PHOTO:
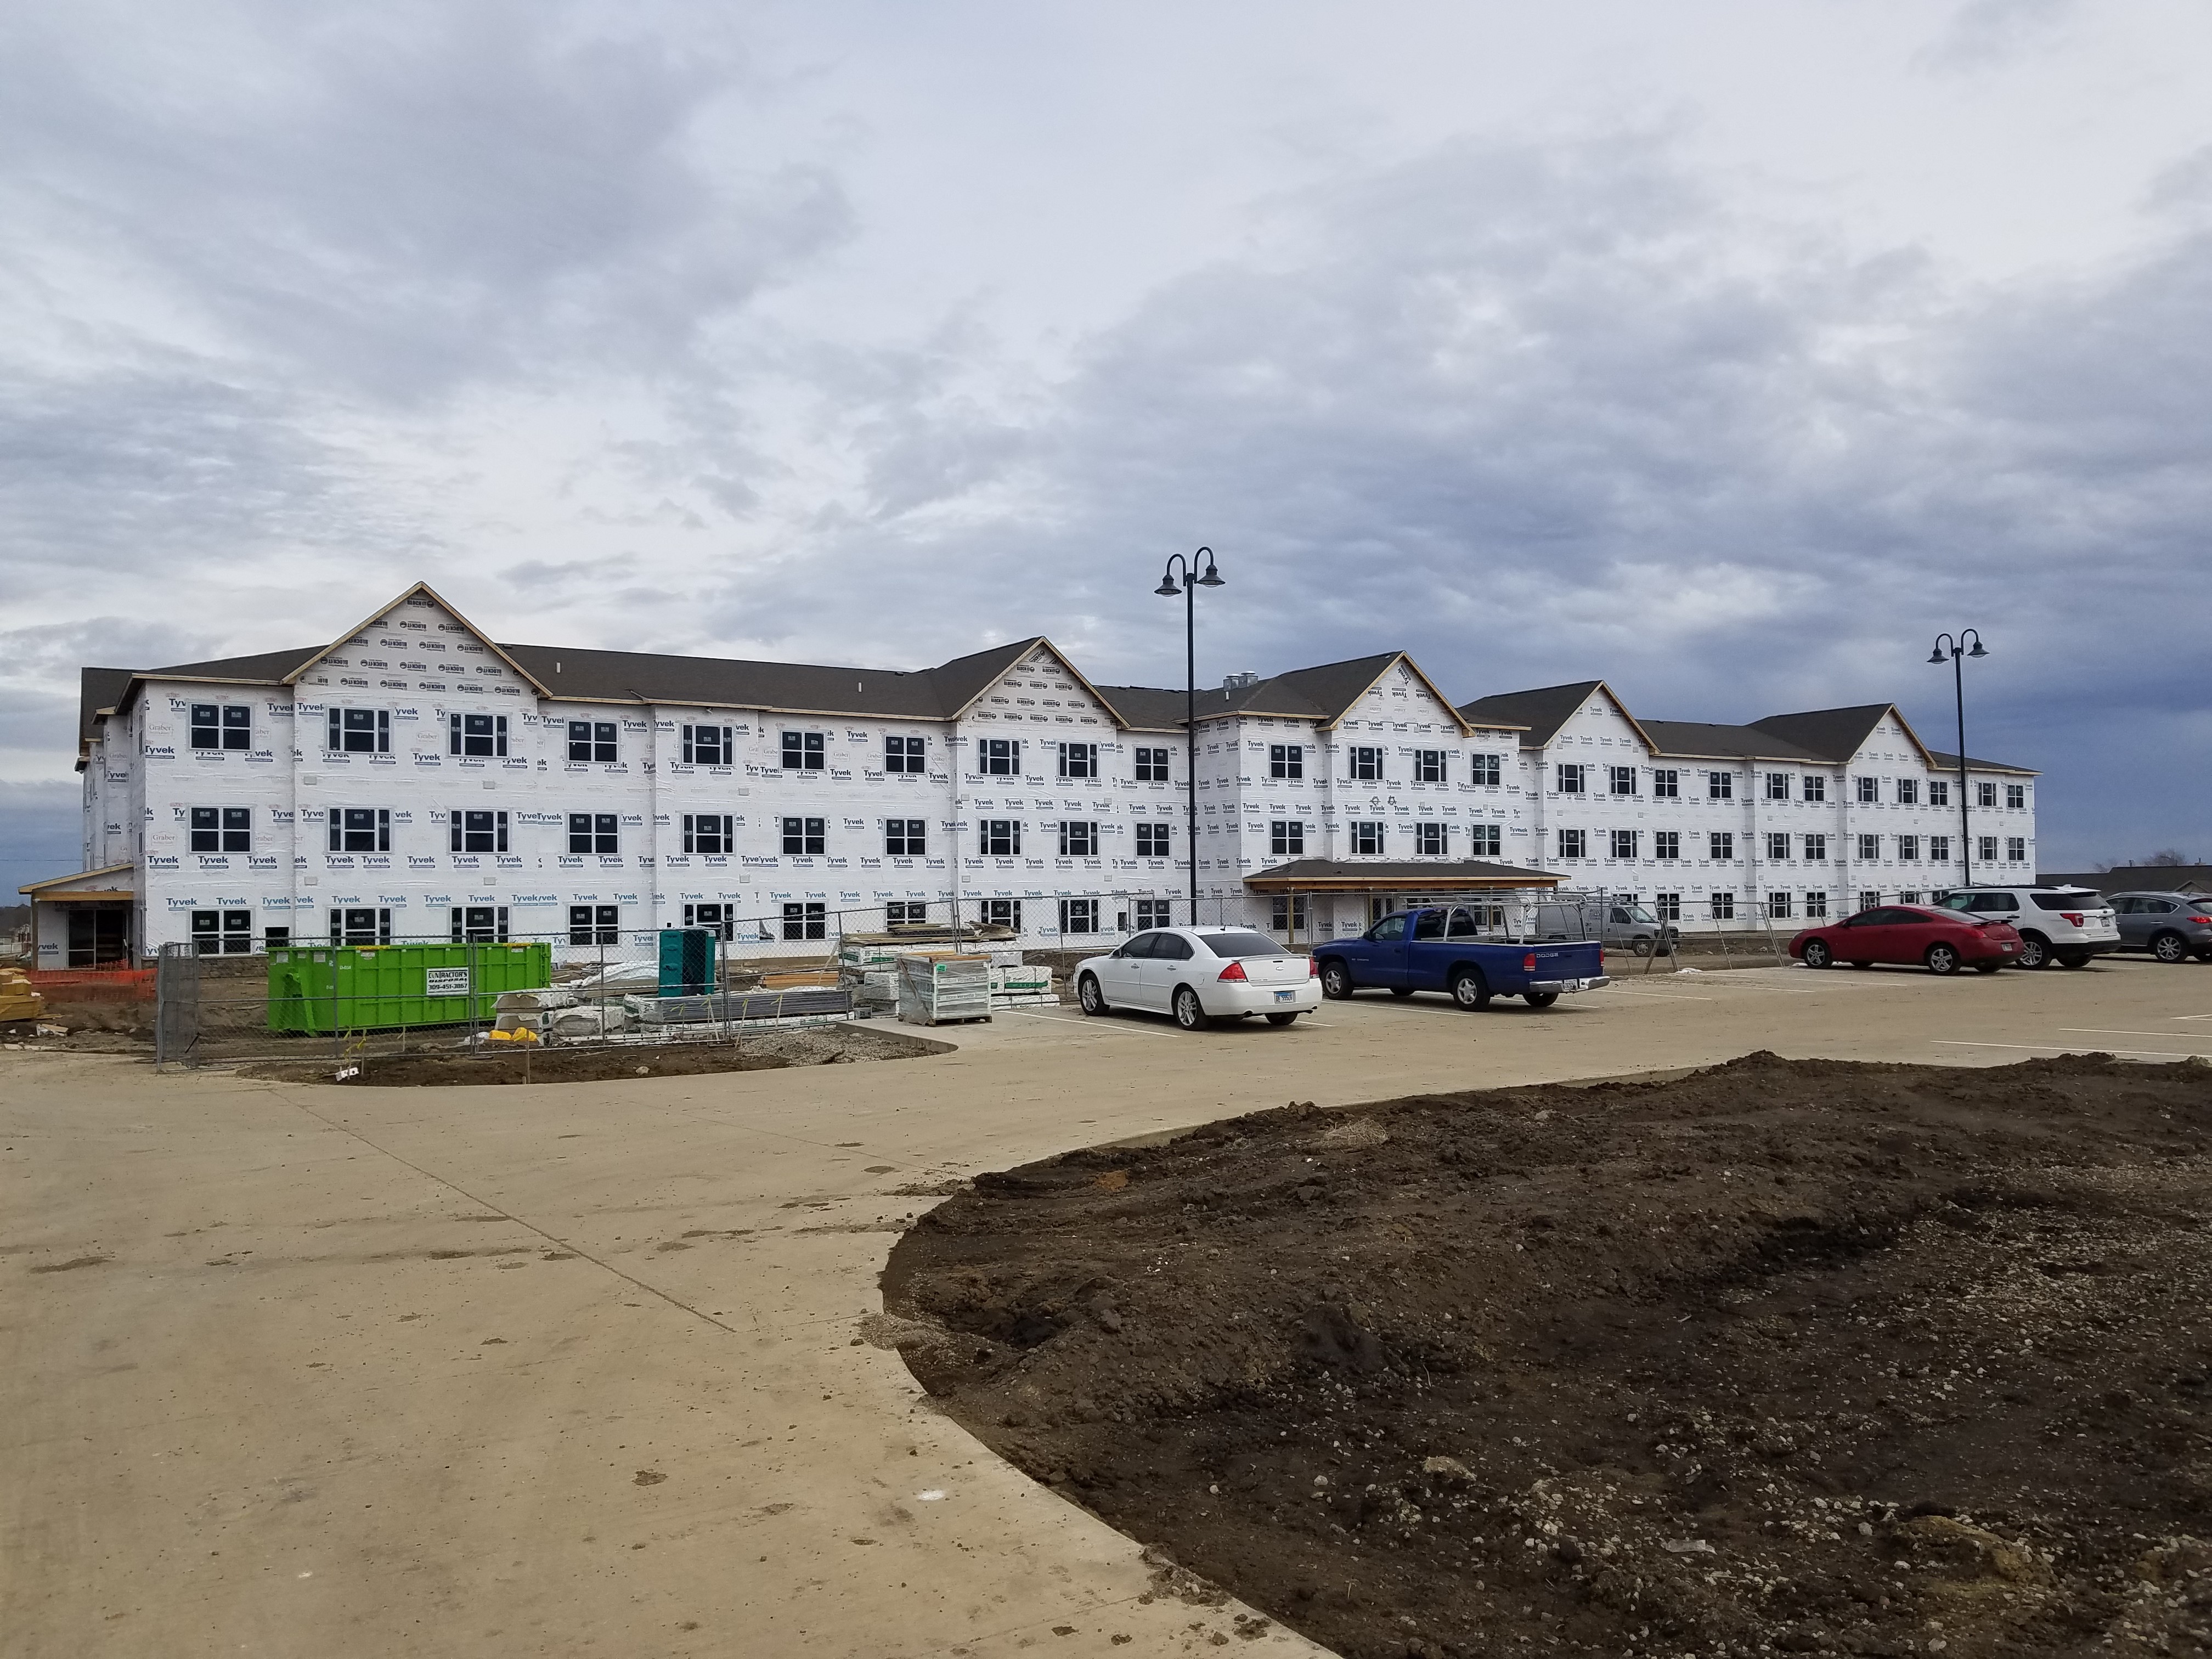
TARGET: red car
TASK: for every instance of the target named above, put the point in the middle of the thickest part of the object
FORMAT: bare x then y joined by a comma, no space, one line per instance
1940,940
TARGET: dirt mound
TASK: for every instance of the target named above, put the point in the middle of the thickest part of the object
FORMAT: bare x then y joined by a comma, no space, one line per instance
1796,1357
765,1051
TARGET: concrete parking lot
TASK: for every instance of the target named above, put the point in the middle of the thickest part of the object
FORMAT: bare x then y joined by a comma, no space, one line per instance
587,1368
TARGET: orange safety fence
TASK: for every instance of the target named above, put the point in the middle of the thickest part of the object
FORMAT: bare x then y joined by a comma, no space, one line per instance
92,984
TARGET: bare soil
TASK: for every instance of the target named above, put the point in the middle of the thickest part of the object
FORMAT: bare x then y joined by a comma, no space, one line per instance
1783,1356
763,1051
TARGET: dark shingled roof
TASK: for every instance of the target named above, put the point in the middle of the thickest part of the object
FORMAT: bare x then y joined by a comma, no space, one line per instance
1829,735
1952,760
642,676
1384,875
97,689
1542,711
270,667
1325,693
1696,738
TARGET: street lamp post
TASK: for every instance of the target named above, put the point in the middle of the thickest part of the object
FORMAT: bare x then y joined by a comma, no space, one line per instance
1951,649
1188,585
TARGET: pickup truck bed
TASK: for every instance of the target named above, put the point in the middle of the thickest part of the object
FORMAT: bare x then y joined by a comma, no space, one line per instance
1440,948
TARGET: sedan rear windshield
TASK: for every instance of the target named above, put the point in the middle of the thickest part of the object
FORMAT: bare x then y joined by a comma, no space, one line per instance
1244,945
2069,901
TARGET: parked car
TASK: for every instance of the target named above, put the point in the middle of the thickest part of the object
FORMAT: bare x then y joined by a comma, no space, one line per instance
1942,941
2172,926
1201,974
2067,925
1441,949
1619,923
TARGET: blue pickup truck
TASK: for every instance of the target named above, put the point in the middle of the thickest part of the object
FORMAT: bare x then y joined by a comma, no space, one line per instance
1441,949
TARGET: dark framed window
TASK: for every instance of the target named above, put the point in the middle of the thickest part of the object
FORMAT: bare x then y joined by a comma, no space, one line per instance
903,754
1869,790
221,828
907,912
1079,838
1624,843
478,832
1151,766
1908,849
1290,912
710,832
805,837
1570,779
1668,907
1816,849
1484,841
1430,765
1665,844
1287,835
594,924
1939,849
1665,783
1816,906
1778,785
2016,849
1908,792
719,919
222,933
1573,843
1813,787
905,838
1286,760
222,725
999,758
1721,844
1985,794
1366,763
1153,841
594,741
1079,915
1152,913
1939,792
1366,839
594,832
1778,904
1869,848
360,830
709,746
275,938
361,927
1720,786
806,919
1000,837
1001,912
1078,760
476,734
1777,847
1724,906
2016,798
358,731
1986,849
479,924
805,751
1429,839
1485,770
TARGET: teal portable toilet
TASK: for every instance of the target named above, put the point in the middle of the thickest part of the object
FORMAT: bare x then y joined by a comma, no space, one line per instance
687,962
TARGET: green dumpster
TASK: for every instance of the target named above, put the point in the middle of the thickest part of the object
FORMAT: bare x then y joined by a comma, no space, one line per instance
360,987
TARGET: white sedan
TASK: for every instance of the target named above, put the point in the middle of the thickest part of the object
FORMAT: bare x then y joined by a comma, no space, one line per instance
1201,974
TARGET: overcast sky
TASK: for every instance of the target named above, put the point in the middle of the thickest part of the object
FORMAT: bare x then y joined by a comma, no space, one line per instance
1728,351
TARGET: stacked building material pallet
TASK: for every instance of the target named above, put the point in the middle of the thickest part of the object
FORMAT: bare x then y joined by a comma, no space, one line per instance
814,1002
935,989
1021,986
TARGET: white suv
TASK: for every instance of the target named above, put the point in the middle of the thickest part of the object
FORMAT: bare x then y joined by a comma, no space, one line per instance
2067,925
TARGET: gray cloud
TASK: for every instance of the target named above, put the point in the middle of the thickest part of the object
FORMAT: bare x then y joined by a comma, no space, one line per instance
1983,33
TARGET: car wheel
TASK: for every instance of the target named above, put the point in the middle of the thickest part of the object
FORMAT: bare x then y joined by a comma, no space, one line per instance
1942,959
1539,999
1282,1019
2034,951
1818,955
2073,961
1335,980
1642,947
1469,989
1987,967
1401,990
1188,1012
1087,994
2170,947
